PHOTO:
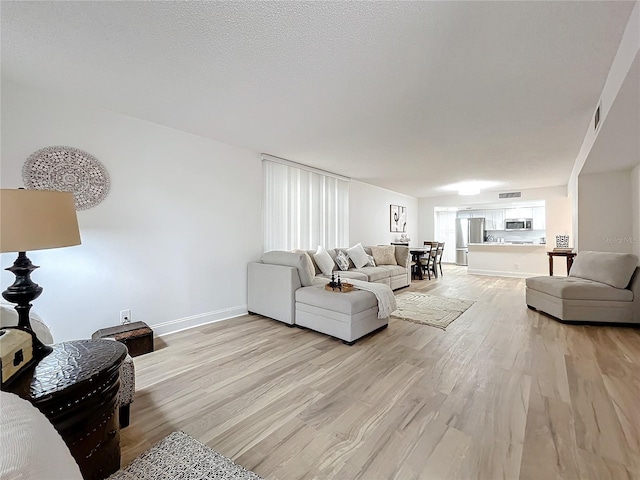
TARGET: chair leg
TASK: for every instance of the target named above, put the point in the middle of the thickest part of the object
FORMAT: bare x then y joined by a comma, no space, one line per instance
124,413
440,265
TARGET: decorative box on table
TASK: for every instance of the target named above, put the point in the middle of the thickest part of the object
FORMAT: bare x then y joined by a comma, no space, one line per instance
137,336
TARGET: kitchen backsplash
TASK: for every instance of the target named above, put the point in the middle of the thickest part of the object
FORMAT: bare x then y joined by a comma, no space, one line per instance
534,236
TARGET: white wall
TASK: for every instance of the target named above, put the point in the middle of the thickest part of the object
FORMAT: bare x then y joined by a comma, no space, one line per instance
605,212
172,239
635,209
369,214
558,210
625,56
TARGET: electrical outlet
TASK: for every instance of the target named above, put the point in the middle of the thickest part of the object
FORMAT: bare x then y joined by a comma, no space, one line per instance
125,316
516,266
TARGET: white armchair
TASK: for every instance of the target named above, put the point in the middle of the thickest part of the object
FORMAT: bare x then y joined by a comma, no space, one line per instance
126,394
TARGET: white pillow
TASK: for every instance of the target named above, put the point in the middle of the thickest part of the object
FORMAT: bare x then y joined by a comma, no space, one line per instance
358,255
31,448
324,261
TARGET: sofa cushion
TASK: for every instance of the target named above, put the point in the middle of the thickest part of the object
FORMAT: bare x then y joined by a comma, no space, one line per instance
614,269
352,274
384,255
324,261
300,260
374,273
358,256
572,288
348,303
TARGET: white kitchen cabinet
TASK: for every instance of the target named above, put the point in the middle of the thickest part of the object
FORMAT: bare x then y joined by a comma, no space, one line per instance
478,214
521,212
464,214
497,219
539,218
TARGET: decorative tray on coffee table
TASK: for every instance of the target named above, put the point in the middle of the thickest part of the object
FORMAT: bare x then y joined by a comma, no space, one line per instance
345,287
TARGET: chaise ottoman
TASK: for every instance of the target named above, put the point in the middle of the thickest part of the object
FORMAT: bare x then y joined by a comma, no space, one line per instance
347,316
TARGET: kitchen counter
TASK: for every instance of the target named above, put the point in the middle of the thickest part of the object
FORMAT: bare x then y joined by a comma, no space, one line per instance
508,259
506,244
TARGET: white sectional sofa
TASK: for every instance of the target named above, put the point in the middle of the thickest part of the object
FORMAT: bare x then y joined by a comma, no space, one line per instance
602,287
282,286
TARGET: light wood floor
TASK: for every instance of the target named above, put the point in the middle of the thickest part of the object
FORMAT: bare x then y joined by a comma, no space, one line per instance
504,393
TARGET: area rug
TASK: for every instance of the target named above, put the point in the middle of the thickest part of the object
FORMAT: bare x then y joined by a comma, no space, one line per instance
429,310
180,456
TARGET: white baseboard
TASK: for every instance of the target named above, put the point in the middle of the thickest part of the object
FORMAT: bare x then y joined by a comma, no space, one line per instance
494,273
173,326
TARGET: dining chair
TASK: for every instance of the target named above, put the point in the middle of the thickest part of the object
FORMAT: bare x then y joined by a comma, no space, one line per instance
439,253
428,259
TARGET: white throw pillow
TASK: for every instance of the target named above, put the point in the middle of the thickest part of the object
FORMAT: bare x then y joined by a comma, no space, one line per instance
358,255
324,261
371,262
342,260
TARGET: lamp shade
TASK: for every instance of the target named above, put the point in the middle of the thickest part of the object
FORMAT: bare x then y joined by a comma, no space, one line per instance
36,220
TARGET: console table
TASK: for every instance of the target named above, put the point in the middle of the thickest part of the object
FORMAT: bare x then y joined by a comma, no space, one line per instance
75,387
570,256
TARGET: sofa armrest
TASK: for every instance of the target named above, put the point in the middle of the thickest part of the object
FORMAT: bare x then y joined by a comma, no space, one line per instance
634,286
271,291
403,257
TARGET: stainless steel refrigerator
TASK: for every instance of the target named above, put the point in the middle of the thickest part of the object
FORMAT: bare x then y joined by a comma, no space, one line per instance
468,230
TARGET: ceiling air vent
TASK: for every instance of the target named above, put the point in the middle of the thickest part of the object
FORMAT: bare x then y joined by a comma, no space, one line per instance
510,195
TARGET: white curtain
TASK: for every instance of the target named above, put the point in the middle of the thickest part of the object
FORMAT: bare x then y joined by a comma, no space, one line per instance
303,208
446,232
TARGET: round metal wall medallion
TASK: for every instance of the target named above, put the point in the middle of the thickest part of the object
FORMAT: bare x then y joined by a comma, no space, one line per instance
67,169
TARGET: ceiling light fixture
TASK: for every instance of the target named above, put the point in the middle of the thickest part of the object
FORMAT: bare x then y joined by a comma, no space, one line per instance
469,191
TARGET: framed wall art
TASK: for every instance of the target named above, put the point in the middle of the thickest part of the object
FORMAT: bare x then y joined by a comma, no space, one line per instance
398,218
67,169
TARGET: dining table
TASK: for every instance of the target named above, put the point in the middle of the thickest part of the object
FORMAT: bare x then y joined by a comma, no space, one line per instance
416,254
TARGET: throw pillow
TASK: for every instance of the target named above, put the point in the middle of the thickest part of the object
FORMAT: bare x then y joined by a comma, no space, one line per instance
324,261
384,255
371,262
358,255
307,264
298,260
342,260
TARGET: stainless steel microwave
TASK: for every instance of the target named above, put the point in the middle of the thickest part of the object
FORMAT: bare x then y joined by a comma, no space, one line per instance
518,224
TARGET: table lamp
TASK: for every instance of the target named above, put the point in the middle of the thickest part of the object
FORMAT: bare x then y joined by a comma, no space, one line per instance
33,220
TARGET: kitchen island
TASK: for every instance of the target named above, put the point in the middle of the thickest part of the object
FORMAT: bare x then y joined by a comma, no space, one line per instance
508,259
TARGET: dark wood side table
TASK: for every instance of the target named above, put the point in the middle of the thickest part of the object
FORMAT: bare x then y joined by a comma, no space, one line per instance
75,387
570,256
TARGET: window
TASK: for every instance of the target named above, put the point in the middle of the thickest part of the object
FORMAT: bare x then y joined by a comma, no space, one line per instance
303,207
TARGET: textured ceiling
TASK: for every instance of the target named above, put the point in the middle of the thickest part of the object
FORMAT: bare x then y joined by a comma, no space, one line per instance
410,96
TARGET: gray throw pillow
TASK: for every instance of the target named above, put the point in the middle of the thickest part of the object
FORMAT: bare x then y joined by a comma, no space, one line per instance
300,260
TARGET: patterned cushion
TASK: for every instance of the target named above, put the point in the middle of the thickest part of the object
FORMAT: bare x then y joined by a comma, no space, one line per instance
384,255
342,260
371,262
127,382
